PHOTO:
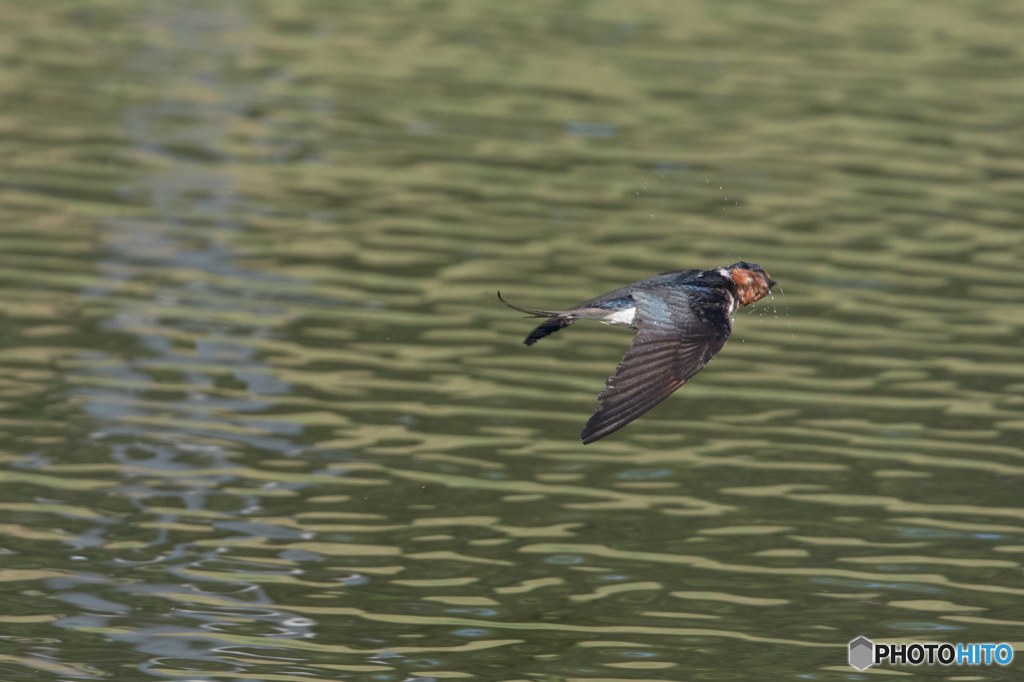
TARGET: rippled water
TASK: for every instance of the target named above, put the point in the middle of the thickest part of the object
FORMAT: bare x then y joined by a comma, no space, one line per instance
262,421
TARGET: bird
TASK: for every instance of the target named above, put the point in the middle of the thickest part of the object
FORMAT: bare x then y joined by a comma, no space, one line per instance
682,320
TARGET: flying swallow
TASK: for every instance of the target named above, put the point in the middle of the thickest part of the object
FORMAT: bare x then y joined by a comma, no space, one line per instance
682,319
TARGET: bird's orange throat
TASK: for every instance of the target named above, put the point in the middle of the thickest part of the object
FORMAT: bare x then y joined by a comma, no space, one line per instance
751,285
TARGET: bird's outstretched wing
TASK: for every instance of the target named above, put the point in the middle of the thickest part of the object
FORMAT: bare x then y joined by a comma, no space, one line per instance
671,345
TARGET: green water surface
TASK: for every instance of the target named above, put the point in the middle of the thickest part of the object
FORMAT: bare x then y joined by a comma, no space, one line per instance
261,419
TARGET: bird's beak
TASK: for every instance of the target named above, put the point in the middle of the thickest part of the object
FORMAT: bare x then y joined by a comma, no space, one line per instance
771,282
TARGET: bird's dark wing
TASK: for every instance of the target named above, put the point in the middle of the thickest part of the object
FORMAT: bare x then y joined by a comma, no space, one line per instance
671,345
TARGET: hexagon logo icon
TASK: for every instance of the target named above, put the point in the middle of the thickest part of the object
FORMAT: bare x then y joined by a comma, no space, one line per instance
862,653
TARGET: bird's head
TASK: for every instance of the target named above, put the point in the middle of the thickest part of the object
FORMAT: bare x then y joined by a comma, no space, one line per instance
751,281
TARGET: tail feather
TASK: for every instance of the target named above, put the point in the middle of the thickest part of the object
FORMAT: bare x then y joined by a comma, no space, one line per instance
557,321
549,327
530,311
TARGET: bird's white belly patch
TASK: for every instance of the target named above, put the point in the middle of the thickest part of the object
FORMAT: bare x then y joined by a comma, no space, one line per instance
621,316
